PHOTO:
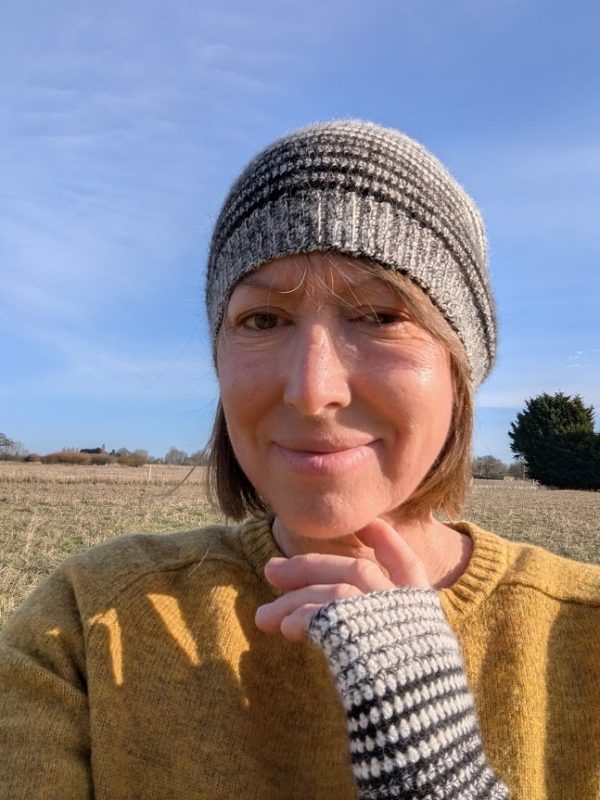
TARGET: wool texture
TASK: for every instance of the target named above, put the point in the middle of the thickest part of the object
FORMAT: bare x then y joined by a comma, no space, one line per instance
411,716
366,191
135,671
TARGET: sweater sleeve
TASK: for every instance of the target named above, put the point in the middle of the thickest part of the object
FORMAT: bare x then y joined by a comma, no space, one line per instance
398,669
44,721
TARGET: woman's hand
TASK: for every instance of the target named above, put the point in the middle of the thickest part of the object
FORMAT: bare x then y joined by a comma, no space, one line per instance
314,579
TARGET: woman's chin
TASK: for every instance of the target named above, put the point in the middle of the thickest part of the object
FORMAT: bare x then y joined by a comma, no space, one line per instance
326,522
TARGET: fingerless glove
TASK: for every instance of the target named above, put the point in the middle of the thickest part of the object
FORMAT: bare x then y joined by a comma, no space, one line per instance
398,669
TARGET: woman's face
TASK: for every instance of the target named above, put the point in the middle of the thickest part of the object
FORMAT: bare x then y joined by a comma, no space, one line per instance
337,402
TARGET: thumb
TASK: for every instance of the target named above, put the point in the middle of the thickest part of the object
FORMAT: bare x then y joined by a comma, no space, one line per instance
403,565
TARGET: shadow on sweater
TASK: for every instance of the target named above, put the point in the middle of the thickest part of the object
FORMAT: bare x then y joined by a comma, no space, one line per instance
572,714
189,690
542,690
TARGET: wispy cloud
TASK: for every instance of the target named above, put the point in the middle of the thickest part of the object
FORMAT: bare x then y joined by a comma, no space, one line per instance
113,140
123,125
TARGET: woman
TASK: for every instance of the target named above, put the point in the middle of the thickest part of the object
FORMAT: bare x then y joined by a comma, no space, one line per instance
352,318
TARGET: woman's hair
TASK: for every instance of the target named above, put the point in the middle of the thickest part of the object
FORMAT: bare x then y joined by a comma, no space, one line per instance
444,486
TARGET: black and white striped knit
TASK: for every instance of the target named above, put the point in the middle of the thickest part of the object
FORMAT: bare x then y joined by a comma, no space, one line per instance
411,717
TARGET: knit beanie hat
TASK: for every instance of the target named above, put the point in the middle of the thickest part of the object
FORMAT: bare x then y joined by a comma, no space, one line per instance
366,191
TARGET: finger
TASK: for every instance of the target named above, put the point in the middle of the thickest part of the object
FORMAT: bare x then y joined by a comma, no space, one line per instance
295,626
270,616
318,568
405,568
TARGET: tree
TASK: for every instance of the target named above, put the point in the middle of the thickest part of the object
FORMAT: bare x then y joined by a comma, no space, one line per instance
518,469
9,448
555,437
199,458
547,415
175,456
136,459
488,467
6,445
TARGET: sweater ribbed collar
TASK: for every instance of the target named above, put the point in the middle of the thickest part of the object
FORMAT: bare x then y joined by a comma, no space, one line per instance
489,560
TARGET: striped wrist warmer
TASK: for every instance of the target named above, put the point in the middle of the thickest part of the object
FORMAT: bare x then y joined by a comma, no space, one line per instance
398,669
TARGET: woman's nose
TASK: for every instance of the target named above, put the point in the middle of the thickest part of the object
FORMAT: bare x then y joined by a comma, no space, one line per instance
316,378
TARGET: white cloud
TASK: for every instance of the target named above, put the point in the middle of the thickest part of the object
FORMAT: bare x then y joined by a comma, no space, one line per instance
113,135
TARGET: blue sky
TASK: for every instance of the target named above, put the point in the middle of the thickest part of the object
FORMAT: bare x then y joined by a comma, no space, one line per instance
123,125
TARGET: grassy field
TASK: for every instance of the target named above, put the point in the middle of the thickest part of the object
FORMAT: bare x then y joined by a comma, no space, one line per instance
47,512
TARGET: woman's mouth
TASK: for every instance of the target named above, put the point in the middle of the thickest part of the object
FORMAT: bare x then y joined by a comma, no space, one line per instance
324,459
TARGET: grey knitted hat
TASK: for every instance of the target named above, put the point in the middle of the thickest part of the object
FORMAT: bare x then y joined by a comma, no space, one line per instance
366,191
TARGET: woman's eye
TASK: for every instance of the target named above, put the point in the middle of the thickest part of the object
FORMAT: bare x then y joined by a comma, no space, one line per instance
383,317
263,321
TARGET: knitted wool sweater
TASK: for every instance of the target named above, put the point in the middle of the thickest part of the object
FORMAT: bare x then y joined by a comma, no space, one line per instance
136,671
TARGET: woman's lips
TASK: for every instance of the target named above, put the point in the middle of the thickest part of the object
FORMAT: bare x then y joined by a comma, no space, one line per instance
325,460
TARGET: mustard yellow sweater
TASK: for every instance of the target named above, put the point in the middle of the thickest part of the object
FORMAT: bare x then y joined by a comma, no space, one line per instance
136,671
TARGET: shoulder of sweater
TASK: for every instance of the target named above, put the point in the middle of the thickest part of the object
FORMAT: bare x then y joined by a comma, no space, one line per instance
87,585
110,568
559,577
541,570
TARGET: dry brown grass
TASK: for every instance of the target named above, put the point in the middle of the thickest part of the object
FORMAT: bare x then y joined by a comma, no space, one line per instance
50,511
566,522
